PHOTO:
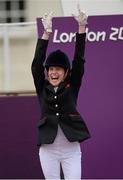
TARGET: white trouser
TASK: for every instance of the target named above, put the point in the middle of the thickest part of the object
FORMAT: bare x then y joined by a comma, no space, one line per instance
63,152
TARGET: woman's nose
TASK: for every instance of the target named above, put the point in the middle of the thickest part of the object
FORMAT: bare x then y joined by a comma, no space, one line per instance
54,71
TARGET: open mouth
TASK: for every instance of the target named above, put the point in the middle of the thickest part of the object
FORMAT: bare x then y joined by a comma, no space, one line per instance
54,78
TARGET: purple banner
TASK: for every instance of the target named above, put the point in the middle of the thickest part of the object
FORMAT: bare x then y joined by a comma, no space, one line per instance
101,97
100,103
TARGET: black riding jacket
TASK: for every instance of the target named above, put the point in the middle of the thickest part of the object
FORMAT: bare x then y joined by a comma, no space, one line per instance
60,107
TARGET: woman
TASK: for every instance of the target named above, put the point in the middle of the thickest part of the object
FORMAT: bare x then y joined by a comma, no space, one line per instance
61,128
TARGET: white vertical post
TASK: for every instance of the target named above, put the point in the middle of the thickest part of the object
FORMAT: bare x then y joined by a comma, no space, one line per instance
6,63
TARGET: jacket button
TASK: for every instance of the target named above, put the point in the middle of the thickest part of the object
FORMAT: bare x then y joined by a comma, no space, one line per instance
56,105
55,97
57,114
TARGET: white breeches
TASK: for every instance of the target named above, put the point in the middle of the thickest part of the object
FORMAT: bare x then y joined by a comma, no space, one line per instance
63,152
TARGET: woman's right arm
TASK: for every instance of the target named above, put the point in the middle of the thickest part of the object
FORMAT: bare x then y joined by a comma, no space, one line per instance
37,64
40,54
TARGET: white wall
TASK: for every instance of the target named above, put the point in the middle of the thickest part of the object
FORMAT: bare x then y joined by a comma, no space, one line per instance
36,8
93,7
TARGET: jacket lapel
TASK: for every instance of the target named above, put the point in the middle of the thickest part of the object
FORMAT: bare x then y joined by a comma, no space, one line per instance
50,88
61,86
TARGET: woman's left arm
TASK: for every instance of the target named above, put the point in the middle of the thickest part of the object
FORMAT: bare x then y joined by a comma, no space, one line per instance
79,59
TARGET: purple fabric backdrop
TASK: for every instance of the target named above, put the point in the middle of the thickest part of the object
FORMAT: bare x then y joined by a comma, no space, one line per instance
100,102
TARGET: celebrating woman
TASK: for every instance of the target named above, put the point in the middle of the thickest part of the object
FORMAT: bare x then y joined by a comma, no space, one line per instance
61,128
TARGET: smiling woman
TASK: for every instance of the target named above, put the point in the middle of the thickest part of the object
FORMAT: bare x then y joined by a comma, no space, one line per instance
56,75
59,136
58,67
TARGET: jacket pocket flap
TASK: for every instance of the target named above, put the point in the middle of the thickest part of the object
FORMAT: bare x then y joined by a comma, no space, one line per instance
75,117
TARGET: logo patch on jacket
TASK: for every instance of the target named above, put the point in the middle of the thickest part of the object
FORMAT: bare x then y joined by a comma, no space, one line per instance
67,85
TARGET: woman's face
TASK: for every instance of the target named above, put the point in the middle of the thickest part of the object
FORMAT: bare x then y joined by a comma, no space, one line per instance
56,75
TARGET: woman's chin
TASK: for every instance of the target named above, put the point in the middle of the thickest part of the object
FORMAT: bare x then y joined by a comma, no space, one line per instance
54,83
